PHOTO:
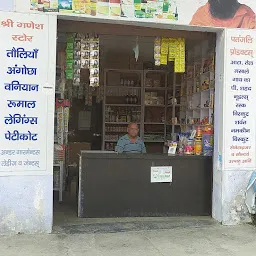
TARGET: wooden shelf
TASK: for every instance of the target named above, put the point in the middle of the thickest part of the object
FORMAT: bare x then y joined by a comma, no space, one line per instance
152,123
116,123
159,106
170,87
122,87
123,105
155,88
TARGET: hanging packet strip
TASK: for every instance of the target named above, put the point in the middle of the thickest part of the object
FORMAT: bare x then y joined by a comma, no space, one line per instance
69,56
182,55
180,58
85,52
77,60
173,47
164,51
163,59
157,51
164,46
94,61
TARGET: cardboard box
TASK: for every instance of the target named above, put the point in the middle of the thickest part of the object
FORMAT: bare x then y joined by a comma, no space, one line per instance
74,149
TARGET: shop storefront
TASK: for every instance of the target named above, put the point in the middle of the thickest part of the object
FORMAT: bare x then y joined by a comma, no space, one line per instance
187,86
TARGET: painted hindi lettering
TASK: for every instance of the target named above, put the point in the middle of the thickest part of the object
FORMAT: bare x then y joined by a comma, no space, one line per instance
23,71
240,108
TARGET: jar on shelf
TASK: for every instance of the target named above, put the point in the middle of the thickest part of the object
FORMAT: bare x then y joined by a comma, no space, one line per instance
199,132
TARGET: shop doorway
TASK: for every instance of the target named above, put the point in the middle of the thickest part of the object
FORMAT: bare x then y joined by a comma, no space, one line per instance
166,104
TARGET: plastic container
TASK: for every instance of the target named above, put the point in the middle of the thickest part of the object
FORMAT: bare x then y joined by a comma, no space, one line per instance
189,148
199,132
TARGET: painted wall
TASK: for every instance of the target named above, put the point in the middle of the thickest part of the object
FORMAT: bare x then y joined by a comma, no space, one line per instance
26,204
26,192
7,5
235,144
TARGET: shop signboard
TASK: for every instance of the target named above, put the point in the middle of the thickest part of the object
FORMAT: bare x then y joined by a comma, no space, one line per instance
209,13
23,72
161,174
239,100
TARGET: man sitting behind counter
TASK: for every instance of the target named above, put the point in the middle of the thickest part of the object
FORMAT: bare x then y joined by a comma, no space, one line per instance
131,142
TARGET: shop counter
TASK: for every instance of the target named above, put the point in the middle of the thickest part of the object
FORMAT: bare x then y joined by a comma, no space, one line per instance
119,185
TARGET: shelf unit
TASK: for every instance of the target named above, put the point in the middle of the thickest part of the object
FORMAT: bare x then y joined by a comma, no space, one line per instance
167,103
198,88
119,107
151,88
154,107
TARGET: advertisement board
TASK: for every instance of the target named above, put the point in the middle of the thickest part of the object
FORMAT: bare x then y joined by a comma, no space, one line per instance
239,100
24,53
211,13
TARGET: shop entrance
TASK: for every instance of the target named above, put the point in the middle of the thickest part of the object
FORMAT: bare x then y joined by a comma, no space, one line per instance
174,111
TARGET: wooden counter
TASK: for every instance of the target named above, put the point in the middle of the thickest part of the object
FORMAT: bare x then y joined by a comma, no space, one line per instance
118,185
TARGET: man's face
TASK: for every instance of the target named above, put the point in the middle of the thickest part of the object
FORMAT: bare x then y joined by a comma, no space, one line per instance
133,130
223,9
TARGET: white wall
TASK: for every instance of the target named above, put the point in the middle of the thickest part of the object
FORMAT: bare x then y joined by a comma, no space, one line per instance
26,194
7,5
230,180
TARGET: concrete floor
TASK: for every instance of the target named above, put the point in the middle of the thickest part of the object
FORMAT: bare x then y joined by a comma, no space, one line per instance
136,237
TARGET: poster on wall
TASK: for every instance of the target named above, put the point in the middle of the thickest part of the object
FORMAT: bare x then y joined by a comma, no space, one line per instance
211,13
240,100
23,71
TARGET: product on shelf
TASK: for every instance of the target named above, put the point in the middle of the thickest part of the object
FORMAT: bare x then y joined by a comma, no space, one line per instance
207,144
198,146
189,147
110,146
122,114
152,98
205,85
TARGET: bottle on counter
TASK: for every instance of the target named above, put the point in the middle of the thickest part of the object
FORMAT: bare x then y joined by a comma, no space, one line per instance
198,147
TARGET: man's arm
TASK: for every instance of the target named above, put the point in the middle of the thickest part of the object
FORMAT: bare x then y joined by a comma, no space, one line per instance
119,146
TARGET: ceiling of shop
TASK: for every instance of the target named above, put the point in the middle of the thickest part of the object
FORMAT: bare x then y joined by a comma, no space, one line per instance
125,45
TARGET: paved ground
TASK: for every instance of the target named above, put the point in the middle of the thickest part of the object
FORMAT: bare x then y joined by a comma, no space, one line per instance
136,237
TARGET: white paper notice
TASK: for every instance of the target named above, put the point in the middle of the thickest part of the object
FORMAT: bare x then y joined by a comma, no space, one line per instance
23,72
161,174
240,100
